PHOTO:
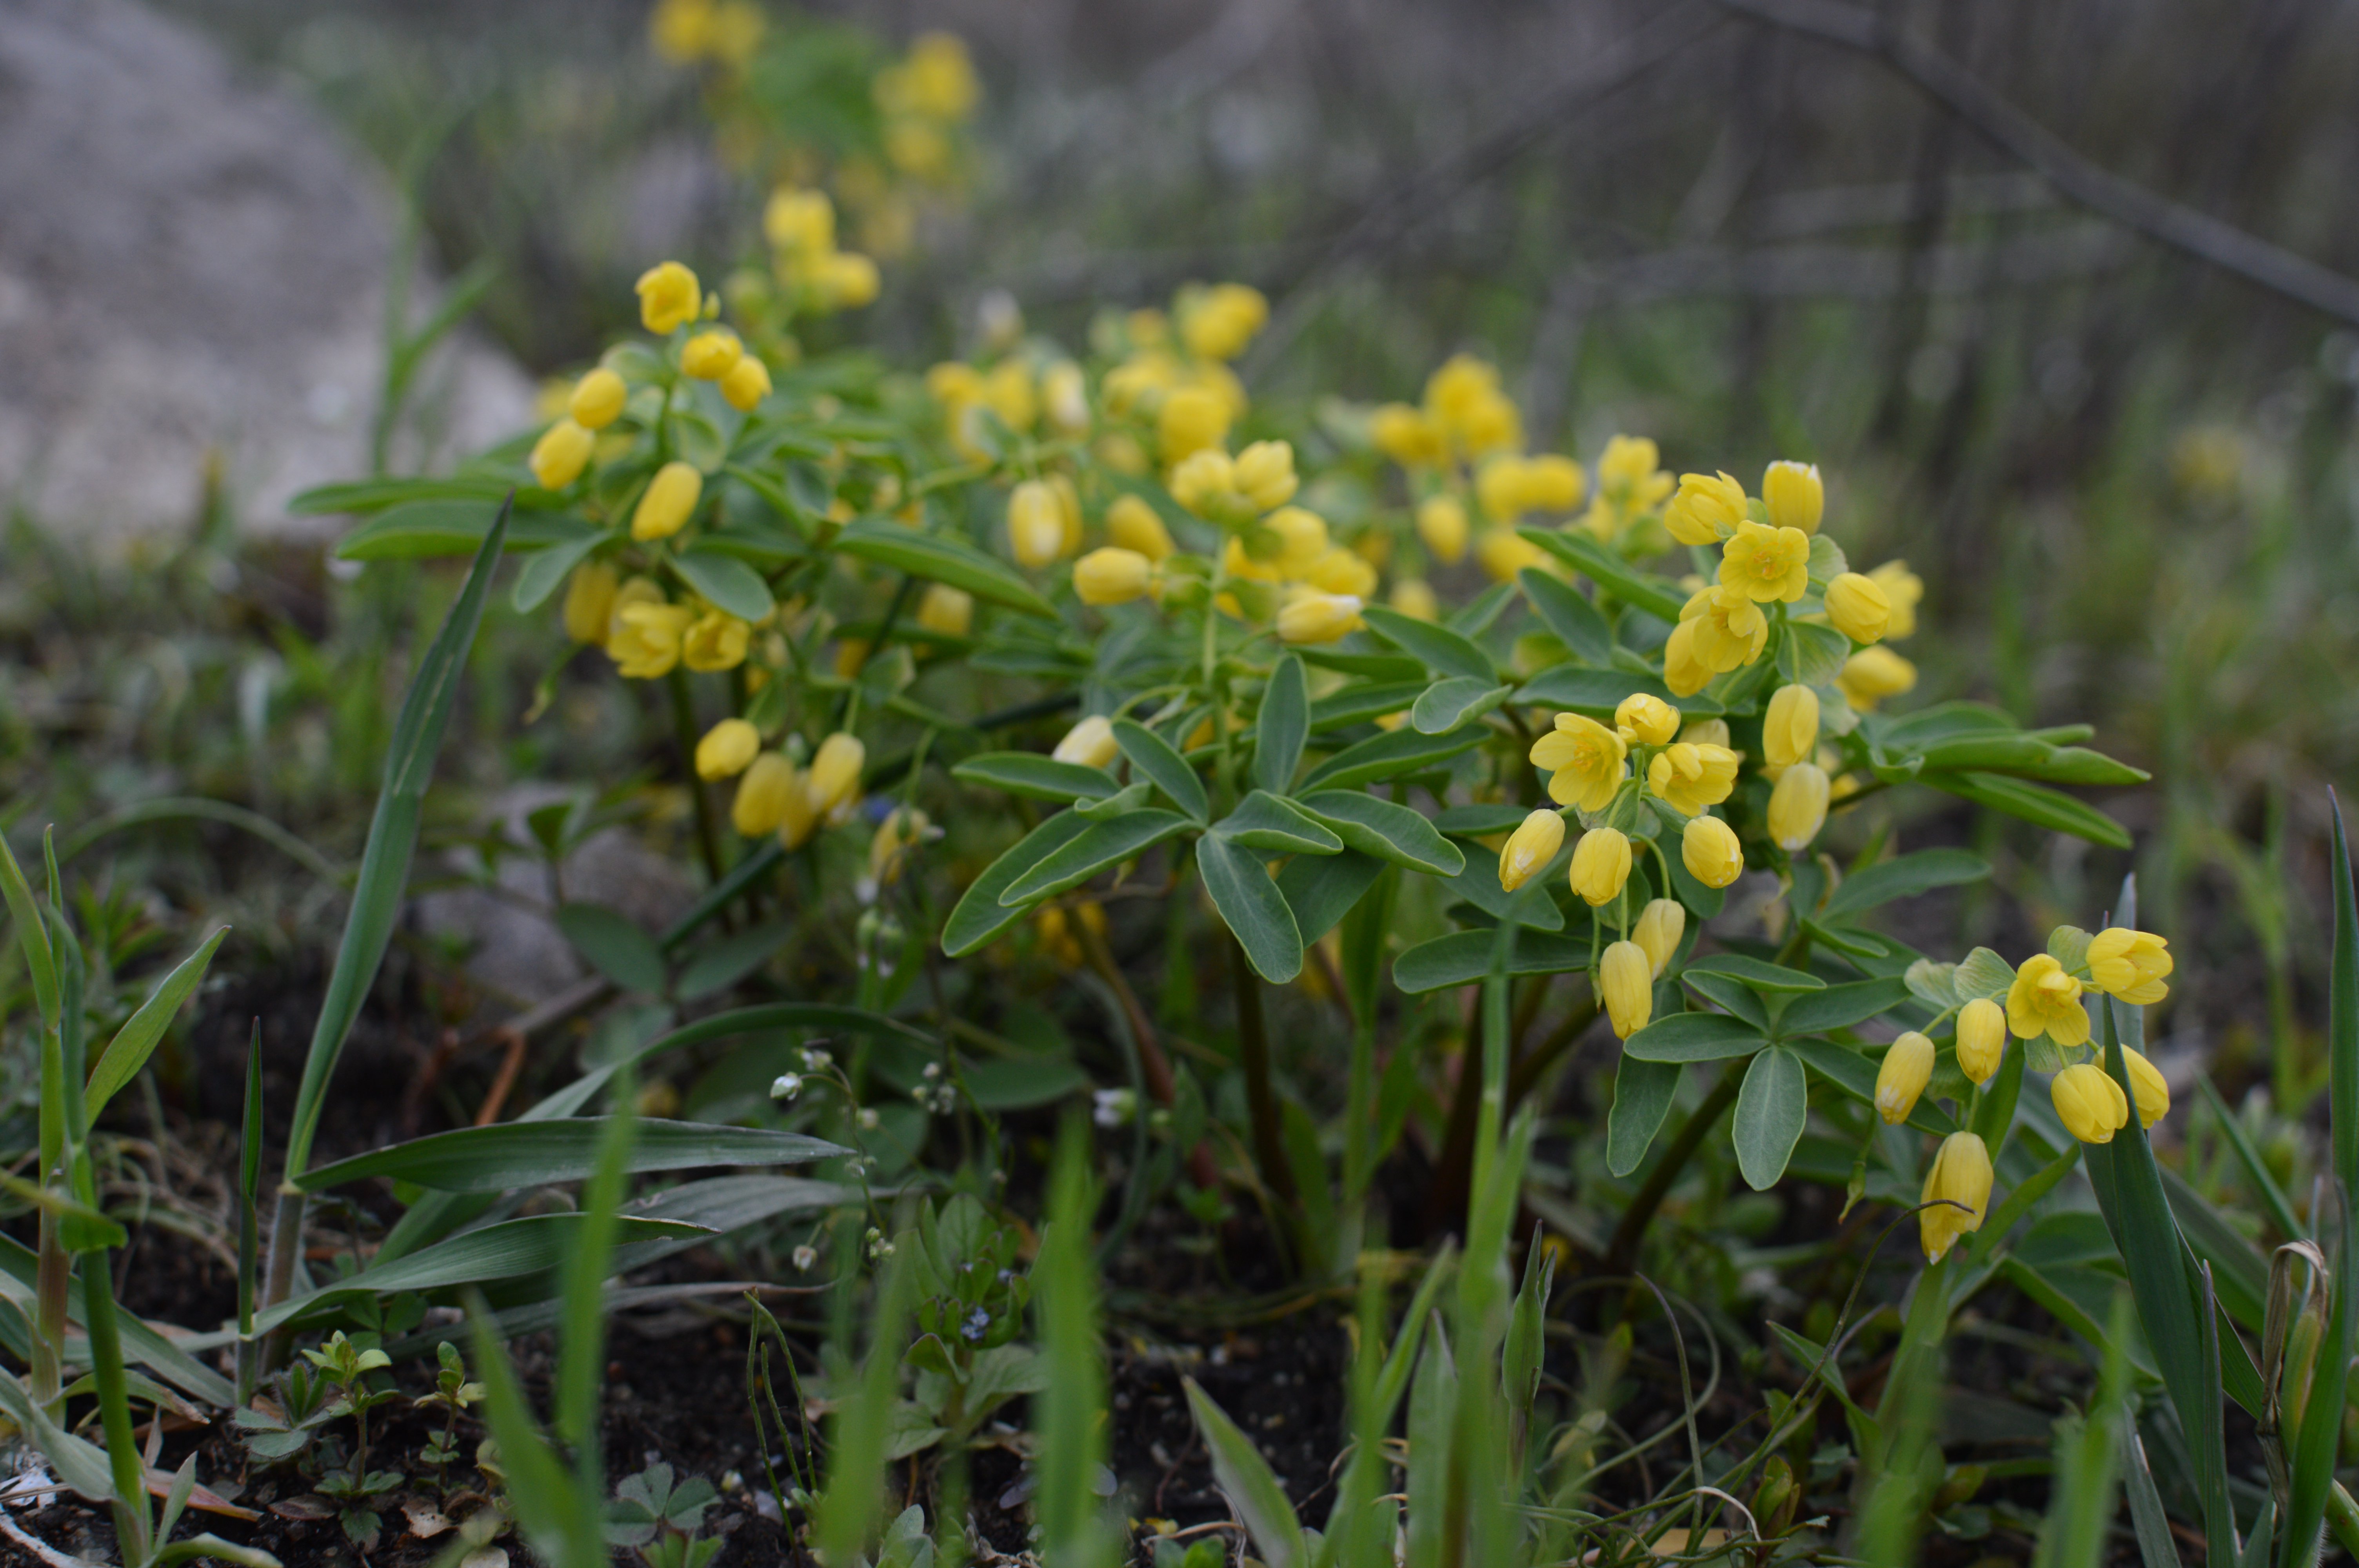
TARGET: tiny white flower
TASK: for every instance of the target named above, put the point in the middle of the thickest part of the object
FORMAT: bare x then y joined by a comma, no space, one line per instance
785,1086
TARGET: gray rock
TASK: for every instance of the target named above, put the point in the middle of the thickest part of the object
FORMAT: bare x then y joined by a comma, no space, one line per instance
192,270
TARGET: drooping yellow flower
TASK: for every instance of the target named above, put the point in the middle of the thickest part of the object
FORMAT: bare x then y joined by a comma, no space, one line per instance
682,30
897,837
1689,778
746,383
590,601
1906,1068
1111,576
670,297
1339,570
796,820
598,398
1585,761
1798,806
1902,590
711,354
1709,849
1501,488
667,503
1415,598
834,775
1794,496
946,612
645,640
2147,1087
1601,865
1644,718
1705,732
1090,743
1627,986
1981,1039
2045,1000
1192,419
1311,616
1629,474
2089,1104
1504,553
715,640
1657,932
1707,509
561,454
2131,965
1873,674
1442,524
1961,1175
1767,563
1858,607
1730,629
847,280
1684,671
1530,847
1408,437
1302,538
799,221
1265,471
727,750
1036,524
1133,525
1464,401
1222,320
761,802
1553,482
1790,732
1065,397
1205,482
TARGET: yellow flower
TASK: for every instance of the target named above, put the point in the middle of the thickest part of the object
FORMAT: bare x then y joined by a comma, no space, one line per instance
763,795
2089,1104
1585,761
1660,925
727,749
747,383
1684,670
835,775
1464,401
1408,437
1730,629
1222,320
1442,524
1415,598
2131,965
645,644
1133,525
1790,730
1981,1039
590,601
1908,1067
737,29
1205,482
896,838
1265,471
1709,849
598,398
1192,419
1689,778
1858,607
1629,989
2045,1000
1500,489
1111,576
1530,847
1302,537
1961,1175
1707,509
1504,553
1902,590
847,280
1798,806
711,354
1873,674
1601,865
796,820
670,297
1705,732
1091,743
1767,563
1315,617
1036,524
1339,570
1553,482
1628,473
716,640
1644,718
945,611
633,590
1795,496
561,454
936,81
799,221
682,30
2147,1087
1064,396
669,499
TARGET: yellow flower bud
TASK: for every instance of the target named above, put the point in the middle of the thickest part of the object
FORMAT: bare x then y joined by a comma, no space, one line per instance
1644,718
1796,498
2147,1087
796,820
1036,524
727,750
799,221
2089,1104
1415,598
1961,1175
1981,1039
746,383
1111,576
1706,510
716,640
669,499
889,849
1766,564
2045,1000
1442,524
561,455
1660,925
1265,472
1530,847
1090,743
598,398
1503,489
1684,670
763,795
835,775
1192,419
2131,965
1790,731
1504,553
1798,806
1858,607
1339,570
946,612
644,640
1873,674
1408,437
1709,849
1908,1067
1553,484
590,601
1069,513
1705,732
1601,865
1902,590
1628,987
711,354
1133,525
1689,777
1302,537
1064,396
670,297
1205,481
847,280
1315,617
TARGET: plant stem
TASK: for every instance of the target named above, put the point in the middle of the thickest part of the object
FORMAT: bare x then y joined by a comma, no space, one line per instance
1154,1064
131,1520
278,1279
51,1282
683,725
1622,1250
1261,1096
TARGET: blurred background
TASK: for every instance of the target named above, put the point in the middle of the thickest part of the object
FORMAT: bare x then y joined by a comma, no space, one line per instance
2128,473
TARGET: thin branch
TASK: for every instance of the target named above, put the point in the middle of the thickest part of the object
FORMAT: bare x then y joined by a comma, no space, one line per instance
2076,177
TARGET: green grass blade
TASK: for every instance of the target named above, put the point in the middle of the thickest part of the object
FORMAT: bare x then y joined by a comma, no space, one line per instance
32,933
2081,1513
2342,1014
136,1040
534,1154
1246,1481
583,1359
856,1452
2248,1158
1070,1414
539,1490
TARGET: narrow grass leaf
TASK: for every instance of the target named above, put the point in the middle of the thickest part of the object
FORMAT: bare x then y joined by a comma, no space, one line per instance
1247,1480
537,1154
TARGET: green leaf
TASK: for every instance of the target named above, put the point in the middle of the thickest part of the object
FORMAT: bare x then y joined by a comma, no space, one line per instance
1100,845
1255,910
1034,777
546,571
424,528
941,558
1435,647
722,963
1153,756
361,496
1246,1481
1463,957
537,1154
1385,828
1598,692
2034,803
79,1228
1529,906
1839,1007
132,1044
32,933
1811,655
1982,973
1322,889
1770,1111
1446,705
1643,1092
727,582
1757,973
1853,1072
1566,610
1282,726
79,1463
1578,550
1364,700
615,946
1694,1037
1263,821
980,916
1905,877
1390,756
